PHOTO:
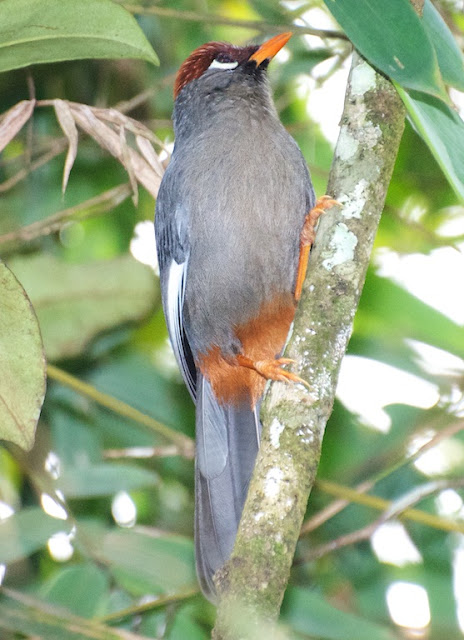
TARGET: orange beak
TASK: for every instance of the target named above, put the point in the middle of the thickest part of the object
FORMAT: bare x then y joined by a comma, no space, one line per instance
268,49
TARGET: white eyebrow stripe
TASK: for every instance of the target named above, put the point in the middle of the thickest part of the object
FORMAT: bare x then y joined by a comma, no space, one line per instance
216,64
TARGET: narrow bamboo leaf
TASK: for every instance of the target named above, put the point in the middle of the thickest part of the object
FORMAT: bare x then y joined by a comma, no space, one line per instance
443,131
392,37
35,31
13,121
128,165
149,154
26,532
68,126
22,363
110,140
75,302
449,55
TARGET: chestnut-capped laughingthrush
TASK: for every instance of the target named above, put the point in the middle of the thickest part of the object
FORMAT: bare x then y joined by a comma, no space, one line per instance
234,222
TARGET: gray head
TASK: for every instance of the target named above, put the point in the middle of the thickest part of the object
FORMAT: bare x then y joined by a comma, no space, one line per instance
219,76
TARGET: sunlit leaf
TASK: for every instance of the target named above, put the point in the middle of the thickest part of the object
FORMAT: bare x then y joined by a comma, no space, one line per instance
392,37
75,302
270,11
22,363
34,31
443,131
391,313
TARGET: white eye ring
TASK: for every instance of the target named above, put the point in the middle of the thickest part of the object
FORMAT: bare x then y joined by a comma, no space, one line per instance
216,64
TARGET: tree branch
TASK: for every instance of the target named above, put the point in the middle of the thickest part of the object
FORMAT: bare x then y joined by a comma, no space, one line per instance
347,495
209,18
256,575
394,509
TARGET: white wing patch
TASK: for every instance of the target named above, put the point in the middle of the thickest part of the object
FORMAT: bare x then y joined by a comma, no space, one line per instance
175,303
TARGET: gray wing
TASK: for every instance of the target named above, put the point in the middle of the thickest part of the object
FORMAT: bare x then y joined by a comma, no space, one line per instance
173,252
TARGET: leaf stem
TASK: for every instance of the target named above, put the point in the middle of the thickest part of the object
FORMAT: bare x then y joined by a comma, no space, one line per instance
184,443
98,205
367,485
380,504
162,601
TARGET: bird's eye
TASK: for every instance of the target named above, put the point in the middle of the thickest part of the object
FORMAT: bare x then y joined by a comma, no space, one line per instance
219,64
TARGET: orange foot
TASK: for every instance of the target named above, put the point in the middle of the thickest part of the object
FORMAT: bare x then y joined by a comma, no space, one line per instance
271,369
308,235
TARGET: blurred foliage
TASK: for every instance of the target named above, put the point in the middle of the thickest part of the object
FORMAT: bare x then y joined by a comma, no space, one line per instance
76,566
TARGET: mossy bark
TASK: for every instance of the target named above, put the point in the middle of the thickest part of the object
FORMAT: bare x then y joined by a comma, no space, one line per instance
255,578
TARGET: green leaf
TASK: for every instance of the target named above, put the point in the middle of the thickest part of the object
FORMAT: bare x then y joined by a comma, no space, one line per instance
392,37
391,313
22,614
449,55
80,589
104,479
26,532
184,626
142,561
22,363
75,442
309,613
443,131
301,62
75,302
37,31
133,379
79,449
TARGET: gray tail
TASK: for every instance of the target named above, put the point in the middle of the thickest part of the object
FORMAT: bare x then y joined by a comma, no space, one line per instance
227,441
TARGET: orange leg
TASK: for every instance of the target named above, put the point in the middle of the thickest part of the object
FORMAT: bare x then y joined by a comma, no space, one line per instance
271,369
308,235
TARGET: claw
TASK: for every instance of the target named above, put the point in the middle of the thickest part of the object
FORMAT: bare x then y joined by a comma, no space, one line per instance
308,235
282,361
272,369
309,229
327,201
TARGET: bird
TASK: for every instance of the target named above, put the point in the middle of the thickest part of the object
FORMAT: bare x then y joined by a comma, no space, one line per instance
235,219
